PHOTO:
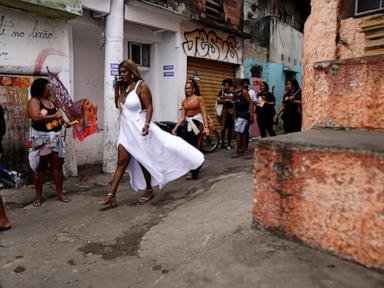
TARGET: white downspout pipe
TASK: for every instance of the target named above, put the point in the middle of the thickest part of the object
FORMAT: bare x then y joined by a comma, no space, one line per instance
114,32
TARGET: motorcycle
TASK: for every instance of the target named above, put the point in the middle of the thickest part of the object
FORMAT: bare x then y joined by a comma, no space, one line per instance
210,142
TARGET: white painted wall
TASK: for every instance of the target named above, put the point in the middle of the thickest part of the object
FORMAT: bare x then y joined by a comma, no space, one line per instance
101,6
28,44
287,41
88,77
24,37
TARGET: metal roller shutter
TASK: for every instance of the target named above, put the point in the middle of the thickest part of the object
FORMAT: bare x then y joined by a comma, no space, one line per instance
211,75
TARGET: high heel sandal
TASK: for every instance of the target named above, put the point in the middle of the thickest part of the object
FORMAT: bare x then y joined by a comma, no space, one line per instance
144,199
109,200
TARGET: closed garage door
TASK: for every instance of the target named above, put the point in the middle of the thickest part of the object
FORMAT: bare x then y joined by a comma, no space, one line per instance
211,74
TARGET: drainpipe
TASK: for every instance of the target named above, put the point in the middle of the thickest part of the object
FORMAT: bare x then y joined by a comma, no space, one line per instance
114,32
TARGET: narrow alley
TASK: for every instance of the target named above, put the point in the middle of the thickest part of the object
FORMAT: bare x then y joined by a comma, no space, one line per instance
193,234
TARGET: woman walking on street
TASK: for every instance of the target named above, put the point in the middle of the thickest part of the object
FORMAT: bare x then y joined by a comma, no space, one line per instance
291,107
153,157
193,120
265,110
47,139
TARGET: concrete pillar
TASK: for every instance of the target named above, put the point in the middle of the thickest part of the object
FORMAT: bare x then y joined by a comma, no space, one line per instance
114,32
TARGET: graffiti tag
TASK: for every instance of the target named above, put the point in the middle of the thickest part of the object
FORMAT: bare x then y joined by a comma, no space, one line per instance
199,43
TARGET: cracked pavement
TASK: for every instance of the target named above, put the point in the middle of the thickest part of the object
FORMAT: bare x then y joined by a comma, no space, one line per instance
193,234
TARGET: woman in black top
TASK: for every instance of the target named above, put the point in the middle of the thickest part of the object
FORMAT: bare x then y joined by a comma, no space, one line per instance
291,107
243,113
46,139
265,110
225,97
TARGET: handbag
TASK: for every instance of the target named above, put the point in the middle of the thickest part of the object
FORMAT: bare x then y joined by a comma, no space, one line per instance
219,109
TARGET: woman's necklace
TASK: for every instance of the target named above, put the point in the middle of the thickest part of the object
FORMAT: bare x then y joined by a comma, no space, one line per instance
129,87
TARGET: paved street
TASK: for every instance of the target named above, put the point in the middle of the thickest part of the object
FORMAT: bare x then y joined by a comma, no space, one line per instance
193,234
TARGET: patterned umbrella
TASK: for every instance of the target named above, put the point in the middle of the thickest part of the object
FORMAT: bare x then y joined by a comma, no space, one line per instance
82,110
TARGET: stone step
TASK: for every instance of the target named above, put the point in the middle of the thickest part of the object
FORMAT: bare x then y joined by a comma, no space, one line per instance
326,188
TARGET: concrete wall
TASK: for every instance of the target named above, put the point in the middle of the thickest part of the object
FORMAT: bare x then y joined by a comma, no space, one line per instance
320,45
65,9
286,45
329,199
28,44
349,93
88,67
231,18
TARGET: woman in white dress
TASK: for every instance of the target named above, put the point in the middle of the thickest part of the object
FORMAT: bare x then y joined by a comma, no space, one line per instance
153,157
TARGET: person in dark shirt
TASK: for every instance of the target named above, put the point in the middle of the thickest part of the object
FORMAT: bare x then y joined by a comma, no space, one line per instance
47,139
291,107
226,119
243,112
265,110
4,222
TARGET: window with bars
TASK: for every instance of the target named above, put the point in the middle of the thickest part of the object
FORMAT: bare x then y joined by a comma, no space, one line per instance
214,9
363,7
139,53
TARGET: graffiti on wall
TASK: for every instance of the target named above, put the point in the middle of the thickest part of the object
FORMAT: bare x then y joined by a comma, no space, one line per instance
14,98
9,30
201,44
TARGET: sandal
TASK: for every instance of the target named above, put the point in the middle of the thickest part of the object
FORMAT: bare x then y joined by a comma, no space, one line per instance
144,199
63,199
36,203
110,199
5,228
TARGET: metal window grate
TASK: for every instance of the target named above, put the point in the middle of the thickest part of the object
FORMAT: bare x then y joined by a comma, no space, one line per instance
363,7
214,9
139,53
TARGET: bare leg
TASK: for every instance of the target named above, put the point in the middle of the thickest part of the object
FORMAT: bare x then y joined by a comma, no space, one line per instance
122,164
148,190
4,222
245,139
58,176
238,143
38,179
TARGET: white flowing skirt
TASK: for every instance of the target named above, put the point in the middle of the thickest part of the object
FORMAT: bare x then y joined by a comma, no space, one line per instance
165,156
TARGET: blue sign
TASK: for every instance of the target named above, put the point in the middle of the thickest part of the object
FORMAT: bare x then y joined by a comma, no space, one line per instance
114,66
168,67
169,74
114,72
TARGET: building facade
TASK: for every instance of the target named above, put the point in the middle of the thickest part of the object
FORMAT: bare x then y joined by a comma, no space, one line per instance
171,41
275,50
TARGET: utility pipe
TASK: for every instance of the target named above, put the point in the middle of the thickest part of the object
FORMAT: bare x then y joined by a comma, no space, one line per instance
114,32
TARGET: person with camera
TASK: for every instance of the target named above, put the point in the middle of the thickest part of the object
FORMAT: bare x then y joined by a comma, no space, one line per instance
152,156
46,139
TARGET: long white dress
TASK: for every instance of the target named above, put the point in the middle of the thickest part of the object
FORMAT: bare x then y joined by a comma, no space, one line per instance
165,156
